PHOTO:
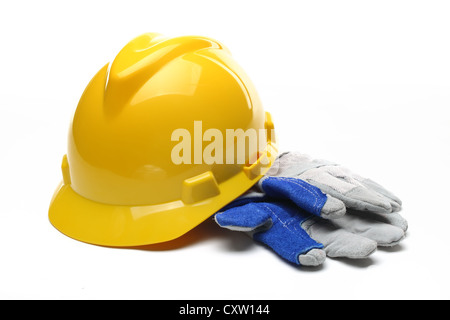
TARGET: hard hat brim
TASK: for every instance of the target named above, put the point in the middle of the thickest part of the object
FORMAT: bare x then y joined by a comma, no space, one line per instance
125,226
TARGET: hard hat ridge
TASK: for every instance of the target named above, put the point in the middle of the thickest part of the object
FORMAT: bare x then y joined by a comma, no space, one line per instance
141,59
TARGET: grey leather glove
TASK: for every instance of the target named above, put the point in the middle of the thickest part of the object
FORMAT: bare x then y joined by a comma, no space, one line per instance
371,210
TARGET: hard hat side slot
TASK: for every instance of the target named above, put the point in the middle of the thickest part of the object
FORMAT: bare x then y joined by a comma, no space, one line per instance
199,188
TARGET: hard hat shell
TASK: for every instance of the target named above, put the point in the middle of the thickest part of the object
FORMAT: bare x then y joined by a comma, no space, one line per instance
120,185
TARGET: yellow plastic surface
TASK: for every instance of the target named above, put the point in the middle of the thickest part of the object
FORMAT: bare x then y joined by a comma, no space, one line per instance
120,186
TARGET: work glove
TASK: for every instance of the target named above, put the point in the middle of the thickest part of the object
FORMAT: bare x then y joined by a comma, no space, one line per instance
307,209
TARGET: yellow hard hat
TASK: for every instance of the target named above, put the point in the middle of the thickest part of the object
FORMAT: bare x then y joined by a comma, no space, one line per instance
121,184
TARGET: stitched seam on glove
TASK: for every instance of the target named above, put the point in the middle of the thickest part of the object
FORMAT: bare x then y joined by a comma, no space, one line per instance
285,225
294,227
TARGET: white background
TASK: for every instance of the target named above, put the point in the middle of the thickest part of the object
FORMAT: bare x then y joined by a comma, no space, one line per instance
363,83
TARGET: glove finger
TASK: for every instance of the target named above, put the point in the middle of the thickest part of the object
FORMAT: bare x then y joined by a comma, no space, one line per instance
385,234
248,217
334,181
396,220
360,191
286,236
277,225
339,243
357,198
312,258
304,195
296,247
366,198
333,208
396,203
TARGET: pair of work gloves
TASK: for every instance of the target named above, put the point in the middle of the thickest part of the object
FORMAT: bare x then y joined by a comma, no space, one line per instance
306,210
